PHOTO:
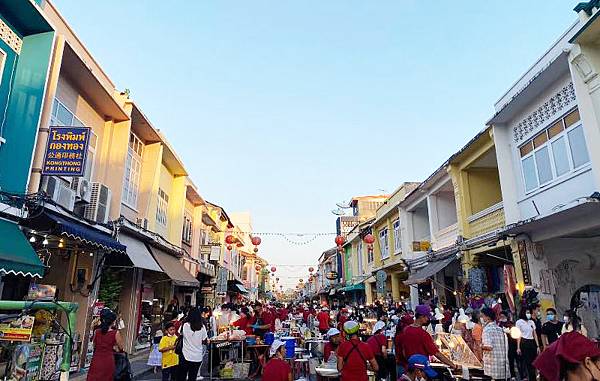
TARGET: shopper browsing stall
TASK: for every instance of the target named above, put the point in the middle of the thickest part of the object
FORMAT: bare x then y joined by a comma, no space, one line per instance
353,355
277,369
494,347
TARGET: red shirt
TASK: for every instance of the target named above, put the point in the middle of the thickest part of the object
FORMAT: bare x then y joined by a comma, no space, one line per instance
341,322
305,315
376,342
277,370
328,348
244,324
323,318
415,340
283,314
268,318
355,360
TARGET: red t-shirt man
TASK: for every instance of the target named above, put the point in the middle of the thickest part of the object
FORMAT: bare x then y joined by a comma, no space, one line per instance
415,340
277,370
324,319
376,342
355,354
268,318
243,323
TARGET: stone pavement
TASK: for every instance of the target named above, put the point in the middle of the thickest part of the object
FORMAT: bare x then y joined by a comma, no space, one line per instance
138,368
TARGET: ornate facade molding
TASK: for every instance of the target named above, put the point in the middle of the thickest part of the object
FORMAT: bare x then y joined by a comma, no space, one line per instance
558,103
7,35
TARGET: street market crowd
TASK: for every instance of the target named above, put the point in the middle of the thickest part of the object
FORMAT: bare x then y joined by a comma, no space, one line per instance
383,341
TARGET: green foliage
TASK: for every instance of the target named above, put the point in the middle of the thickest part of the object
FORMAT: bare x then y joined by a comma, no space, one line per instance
111,286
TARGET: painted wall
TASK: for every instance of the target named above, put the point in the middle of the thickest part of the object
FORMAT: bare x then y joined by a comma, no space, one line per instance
484,188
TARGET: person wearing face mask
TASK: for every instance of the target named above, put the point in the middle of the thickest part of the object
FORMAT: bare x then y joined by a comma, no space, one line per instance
527,344
418,369
551,329
573,323
573,357
494,347
416,341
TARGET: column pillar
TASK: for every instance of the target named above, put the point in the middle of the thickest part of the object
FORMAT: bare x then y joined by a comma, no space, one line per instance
368,293
414,296
395,287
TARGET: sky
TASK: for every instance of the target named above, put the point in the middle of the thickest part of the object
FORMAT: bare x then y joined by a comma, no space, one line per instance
285,108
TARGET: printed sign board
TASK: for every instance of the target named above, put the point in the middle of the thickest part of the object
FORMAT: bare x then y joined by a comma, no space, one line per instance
380,277
66,151
17,329
222,281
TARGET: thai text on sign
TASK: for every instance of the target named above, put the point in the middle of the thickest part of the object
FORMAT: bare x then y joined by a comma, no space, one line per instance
66,151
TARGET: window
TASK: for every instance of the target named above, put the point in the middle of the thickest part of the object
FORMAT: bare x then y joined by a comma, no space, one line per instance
359,253
62,116
133,170
161,208
187,229
397,237
554,152
384,244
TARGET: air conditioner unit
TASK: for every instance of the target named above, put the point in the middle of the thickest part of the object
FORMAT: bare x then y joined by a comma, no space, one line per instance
142,222
99,207
59,191
82,188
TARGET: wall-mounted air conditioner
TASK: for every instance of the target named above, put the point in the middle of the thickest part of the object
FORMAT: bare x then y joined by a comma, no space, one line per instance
82,188
99,207
59,191
142,222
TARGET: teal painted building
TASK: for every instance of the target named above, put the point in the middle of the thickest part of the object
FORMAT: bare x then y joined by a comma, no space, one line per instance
26,48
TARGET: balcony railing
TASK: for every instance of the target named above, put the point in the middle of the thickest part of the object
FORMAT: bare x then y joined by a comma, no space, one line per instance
445,237
486,221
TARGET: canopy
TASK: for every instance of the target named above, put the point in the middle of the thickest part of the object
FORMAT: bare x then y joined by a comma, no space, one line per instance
429,270
16,254
139,254
354,287
78,230
174,268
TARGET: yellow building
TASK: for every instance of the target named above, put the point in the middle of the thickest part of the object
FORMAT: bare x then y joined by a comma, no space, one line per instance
387,248
474,173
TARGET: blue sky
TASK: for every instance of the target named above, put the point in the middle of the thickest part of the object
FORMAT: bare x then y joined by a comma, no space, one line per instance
283,108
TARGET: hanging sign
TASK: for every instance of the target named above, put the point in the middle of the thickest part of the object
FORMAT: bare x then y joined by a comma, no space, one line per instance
222,281
380,277
17,329
66,151
522,247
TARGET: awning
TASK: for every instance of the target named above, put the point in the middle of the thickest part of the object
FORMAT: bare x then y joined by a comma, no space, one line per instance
428,271
80,231
354,287
236,286
139,254
16,254
174,268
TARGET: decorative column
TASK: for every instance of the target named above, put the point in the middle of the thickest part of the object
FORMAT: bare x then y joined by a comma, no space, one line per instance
368,293
395,287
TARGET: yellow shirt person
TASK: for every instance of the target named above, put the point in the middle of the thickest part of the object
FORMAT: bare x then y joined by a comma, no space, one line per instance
167,348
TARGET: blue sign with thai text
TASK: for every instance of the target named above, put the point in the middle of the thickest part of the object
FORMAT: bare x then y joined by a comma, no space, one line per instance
66,151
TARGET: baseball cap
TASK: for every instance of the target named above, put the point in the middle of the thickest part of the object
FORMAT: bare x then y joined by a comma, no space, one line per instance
351,327
275,346
333,332
571,347
378,326
421,362
423,309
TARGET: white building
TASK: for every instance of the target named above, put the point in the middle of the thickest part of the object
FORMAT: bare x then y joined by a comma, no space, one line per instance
548,180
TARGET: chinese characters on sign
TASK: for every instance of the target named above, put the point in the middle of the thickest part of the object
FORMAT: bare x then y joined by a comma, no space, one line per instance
522,246
66,151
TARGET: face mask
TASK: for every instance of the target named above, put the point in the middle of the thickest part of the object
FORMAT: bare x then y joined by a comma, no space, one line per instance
503,320
566,319
528,316
550,317
482,321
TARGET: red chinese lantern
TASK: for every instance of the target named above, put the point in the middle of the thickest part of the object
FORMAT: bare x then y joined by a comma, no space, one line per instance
229,247
256,241
273,269
311,269
229,239
258,268
339,240
369,239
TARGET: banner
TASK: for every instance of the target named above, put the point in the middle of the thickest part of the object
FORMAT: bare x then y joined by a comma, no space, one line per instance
17,329
66,151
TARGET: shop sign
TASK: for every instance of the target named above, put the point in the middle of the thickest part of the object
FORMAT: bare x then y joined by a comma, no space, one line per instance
332,275
66,151
206,290
17,329
26,362
222,281
215,253
522,247
41,292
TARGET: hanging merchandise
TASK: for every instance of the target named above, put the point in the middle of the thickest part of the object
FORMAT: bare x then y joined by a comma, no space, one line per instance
477,281
510,285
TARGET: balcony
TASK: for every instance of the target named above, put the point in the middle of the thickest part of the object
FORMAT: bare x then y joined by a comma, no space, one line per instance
445,237
486,221
207,268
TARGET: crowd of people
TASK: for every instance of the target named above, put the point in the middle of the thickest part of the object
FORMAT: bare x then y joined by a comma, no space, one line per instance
399,342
